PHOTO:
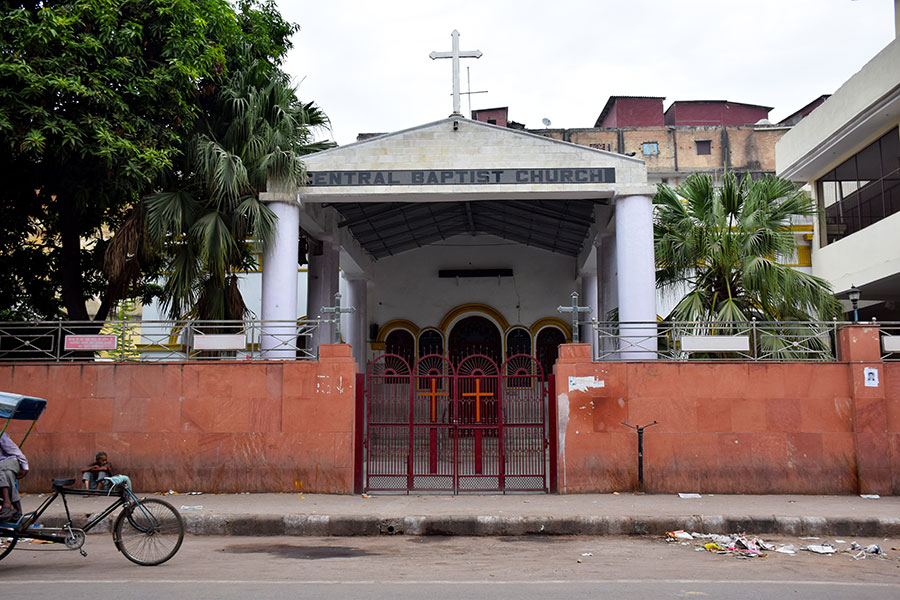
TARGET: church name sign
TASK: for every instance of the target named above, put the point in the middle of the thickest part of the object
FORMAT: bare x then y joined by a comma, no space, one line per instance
462,177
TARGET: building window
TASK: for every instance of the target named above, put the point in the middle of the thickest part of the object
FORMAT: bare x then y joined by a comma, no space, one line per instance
430,342
704,147
547,343
401,343
492,121
518,341
862,190
650,148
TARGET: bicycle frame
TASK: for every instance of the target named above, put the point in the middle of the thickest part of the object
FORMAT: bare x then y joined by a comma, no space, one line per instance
26,528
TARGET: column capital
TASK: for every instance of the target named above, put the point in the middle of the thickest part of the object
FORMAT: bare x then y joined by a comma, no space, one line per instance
634,190
280,196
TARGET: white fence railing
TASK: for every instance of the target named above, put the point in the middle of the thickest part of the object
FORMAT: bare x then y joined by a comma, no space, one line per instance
747,340
151,341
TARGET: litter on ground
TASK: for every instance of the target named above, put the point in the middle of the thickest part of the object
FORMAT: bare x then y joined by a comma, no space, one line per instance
742,546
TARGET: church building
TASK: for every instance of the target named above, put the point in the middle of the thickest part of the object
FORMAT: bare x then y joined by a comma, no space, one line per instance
459,237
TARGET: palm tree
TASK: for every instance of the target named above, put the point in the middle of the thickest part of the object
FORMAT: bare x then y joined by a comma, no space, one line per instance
208,219
727,246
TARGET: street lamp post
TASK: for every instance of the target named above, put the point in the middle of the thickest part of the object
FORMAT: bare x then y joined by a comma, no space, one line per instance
853,295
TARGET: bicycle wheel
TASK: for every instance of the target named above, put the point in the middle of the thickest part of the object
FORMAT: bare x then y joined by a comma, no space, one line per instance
149,533
6,545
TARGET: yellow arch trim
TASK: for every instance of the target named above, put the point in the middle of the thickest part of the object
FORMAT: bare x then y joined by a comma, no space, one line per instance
551,322
385,329
475,309
430,328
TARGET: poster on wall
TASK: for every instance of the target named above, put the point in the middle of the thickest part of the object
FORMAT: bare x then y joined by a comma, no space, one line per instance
871,374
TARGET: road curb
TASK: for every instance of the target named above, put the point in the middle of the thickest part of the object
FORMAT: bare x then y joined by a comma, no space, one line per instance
492,525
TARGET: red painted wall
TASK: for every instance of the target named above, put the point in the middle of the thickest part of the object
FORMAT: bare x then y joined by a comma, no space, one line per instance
286,426
743,428
714,113
498,115
211,427
635,112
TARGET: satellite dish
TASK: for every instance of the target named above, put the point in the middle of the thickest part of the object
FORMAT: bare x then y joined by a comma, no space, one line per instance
546,122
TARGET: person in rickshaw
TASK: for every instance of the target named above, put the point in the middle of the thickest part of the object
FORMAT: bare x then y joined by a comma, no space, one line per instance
13,465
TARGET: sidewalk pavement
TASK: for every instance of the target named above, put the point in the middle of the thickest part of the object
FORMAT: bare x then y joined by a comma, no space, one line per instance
514,515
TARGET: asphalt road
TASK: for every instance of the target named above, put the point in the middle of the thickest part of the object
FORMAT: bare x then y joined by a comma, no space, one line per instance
445,567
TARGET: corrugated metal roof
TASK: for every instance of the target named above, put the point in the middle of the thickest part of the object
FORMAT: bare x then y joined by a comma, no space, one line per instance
385,229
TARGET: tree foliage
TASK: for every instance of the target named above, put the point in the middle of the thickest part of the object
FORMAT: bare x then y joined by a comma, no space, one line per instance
208,219
97,99
729,247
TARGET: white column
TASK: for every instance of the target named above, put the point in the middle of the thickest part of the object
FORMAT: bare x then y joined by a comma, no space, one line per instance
609,288
279,285
636,276
356,324
322,285
589,298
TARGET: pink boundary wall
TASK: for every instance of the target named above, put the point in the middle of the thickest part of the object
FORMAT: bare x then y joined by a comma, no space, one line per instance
289,426
746,428
211,427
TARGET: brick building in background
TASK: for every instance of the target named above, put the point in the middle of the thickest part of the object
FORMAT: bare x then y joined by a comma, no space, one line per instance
691,136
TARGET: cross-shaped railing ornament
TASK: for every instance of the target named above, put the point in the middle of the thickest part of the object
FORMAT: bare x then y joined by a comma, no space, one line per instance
337,309
574,309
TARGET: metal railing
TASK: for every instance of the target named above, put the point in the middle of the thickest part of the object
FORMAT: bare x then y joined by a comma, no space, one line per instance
890,341
154,341
748,341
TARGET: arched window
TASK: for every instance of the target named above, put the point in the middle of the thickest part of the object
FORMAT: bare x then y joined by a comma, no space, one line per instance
518,341
431,342
548,341
401,342
474,335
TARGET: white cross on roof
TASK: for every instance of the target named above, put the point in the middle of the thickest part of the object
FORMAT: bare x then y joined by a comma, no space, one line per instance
456,54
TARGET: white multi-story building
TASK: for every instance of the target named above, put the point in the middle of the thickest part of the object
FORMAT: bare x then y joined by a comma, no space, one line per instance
848,151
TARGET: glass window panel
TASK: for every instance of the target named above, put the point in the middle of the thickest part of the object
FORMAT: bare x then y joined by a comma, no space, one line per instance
871,207
846,171
848,188
890,154
868,164
827,190
863,189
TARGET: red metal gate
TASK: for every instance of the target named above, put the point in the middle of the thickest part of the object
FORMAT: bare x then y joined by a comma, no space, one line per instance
472,427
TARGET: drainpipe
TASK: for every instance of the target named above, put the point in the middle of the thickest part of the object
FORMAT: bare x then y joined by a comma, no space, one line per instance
726,149
675,146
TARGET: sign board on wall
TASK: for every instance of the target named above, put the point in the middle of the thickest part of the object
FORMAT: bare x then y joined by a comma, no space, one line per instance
572,175
91,342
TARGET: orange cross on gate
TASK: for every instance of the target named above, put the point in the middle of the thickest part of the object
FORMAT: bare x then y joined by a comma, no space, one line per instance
478,394
434,394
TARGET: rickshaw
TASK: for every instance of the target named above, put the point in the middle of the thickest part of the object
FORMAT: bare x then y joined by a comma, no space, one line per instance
148,531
